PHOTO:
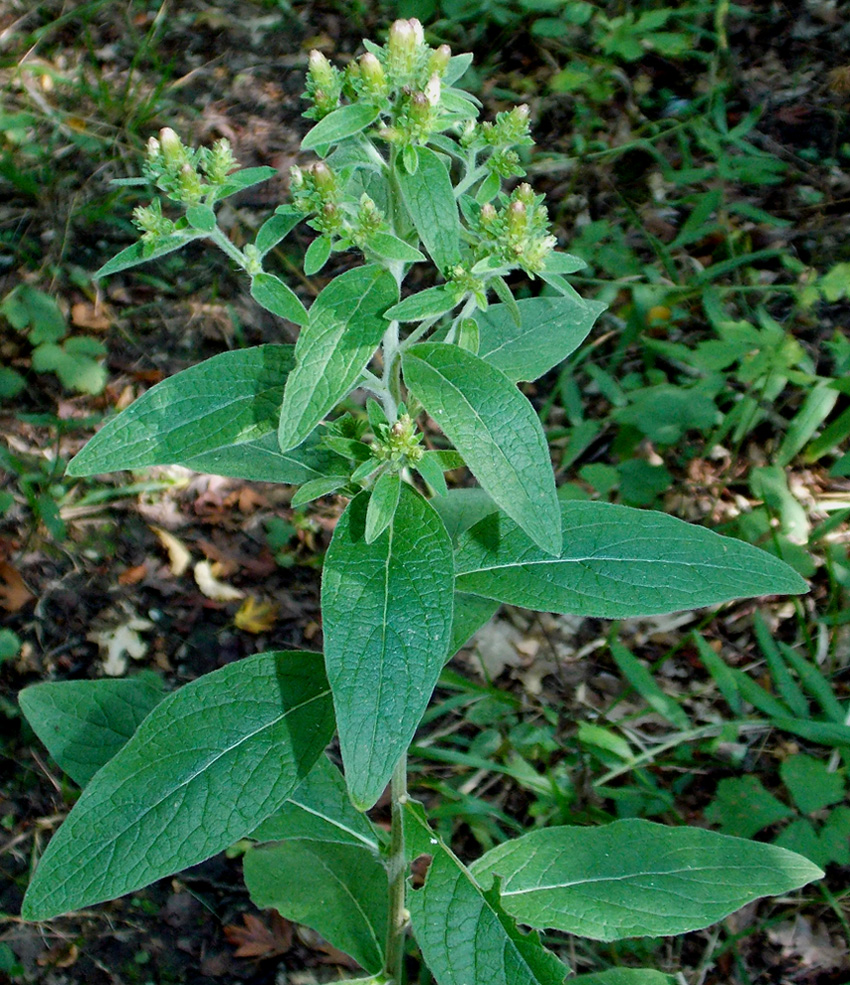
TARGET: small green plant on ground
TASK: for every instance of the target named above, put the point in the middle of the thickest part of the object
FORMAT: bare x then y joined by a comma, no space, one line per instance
406,174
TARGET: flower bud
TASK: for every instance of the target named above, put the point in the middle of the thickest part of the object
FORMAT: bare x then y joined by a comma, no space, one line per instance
320,70
439,60
372,73
296,177
488,214
525,194
153,148
418,32
324,178
521,112
172,148
420,109
432,90
402,41
517,218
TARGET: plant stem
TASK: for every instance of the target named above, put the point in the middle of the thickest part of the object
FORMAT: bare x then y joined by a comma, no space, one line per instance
397,876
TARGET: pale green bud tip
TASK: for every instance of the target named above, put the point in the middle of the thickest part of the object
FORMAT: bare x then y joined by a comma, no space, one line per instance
153,148
418,32
323,176
522,111
488,212
440,58
372,71
172,148
296,176
317,60
402,36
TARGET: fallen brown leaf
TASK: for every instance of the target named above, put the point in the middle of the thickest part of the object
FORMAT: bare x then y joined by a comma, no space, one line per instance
256,615
258,939
86,315
14,594
132,576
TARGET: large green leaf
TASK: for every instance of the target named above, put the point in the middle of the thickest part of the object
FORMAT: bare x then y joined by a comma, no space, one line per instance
550,329
464,934
635,878
143,251
261,460
462,508
207,765
345,327
340,890
387,617
624,976
471,613
430,199
617,562
230,399
271,293
341,123
496,430
85,723
320,809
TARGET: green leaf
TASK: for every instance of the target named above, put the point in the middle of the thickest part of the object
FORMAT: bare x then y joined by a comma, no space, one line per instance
10,642
635,878
345,327
743,807
392,248
316,488
810,783
208,764
261,460
495,429
271,293
337,889
11,383
617,562
320,810
551,328
563,263
464,934
461,509
430,199
201,217
430,303
230,399
644,683
431,470
470,613
387,620
274,229
317,255
382,505
341,123
246,178
624,976
143,251
77,372
85,723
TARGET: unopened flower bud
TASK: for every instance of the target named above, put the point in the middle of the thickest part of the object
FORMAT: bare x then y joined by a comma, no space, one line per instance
402,40
420,108
418,32
517,218
525,194
488,213
320,69
432,90
439,60
324,178
521,112
153,148
372,72
296,177
172,148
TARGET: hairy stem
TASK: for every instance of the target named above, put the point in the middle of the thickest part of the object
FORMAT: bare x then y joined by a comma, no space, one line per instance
397,875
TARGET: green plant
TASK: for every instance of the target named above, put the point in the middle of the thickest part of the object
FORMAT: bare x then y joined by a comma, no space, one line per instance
238,754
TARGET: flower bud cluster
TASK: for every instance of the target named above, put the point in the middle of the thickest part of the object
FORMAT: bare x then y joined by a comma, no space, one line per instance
317,190
324,86
517,234
186,174
461,281
151,222
398,444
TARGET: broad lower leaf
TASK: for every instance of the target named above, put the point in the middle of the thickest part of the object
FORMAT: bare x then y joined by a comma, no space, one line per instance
495,429
320,810
271,293
341,123
387,619
464,934
463,508
230,399
143,251
550,329
471,613
85,723
624,976
345,327
430,199
635,878
616,562
261,460
207,765
336,889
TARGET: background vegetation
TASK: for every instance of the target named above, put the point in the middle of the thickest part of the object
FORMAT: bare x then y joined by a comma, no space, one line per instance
696,156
